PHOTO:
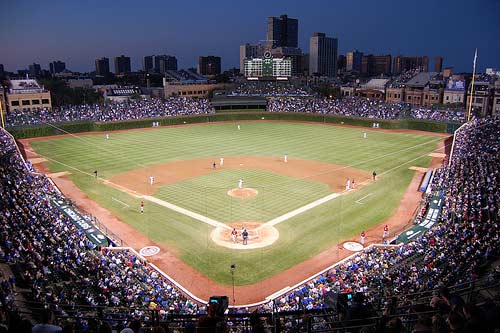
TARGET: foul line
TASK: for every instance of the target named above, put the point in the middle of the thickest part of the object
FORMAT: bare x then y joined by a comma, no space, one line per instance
186,212
299,210
366,196
123,203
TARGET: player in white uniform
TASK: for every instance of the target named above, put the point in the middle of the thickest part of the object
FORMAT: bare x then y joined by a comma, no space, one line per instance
221,161
240,183
348,184
151,180
107,136
364,135
239,127
285,158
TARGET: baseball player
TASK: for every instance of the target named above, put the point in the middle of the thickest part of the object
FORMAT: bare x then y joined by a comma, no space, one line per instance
244,235
151,180
239,128
364,135
221,161
107,136
348,184
240,183
353,183
386,231
363,237
214,165
285,158
234,235
374,175
142,207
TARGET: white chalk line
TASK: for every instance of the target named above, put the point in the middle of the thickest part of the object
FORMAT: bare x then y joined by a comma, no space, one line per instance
186,212
299,210
366,196
123,203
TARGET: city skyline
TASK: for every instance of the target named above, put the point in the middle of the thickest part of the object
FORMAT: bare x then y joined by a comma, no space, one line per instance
78,33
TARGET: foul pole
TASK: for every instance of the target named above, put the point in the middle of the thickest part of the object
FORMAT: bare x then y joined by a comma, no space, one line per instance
472,87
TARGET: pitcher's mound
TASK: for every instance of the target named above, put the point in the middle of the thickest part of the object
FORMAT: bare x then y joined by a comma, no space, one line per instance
243,193
259,235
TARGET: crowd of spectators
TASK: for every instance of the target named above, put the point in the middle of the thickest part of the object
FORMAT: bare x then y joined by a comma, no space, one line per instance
130,110
349,107
269,89
361,107
401,80
438,114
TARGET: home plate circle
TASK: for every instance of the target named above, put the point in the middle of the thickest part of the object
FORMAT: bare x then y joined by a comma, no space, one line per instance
149,251
353,246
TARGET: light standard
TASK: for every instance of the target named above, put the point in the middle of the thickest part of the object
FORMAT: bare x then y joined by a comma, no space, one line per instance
233,268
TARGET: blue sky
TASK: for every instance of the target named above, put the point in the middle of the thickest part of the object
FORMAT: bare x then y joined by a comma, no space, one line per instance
77,32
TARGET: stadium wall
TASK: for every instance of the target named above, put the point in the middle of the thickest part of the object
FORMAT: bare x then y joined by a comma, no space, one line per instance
65,128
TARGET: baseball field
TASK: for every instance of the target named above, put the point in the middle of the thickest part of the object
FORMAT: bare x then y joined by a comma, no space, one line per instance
293,210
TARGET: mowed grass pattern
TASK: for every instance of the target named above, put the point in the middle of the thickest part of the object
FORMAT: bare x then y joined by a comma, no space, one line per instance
277,195
301,237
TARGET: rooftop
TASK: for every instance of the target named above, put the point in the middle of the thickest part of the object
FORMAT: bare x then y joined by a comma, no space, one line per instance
421,79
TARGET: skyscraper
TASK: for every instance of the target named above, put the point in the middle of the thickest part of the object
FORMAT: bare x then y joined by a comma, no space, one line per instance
209,65
438,64
164,63
323,55
122,64
35,70
282,31
102,66
57,67
402,64
147,63
353,61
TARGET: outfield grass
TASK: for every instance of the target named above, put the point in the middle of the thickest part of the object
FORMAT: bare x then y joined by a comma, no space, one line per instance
300,237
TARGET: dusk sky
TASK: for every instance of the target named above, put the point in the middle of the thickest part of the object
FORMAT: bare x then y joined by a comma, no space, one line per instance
77,32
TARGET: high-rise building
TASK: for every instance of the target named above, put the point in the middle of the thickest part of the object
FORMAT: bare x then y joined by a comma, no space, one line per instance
353,61
282,31
122,64
403,64
323,55
438,64
292,53
249,51
147,63
57,67
1,69
35,70
163,63
372,65
102,66
209,65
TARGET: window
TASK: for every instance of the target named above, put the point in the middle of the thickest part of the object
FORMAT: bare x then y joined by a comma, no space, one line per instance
35,101
447,98
25,102
14,103
409,98
45,101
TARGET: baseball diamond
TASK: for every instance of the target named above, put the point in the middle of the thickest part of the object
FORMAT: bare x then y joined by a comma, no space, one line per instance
292,193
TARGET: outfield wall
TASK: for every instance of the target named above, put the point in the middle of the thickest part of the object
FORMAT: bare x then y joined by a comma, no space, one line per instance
79,127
